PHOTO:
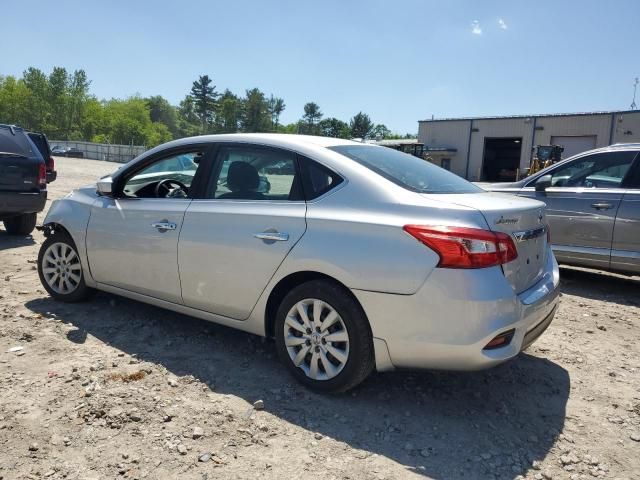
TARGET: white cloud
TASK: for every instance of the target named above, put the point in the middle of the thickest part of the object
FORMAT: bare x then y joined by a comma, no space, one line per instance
475,28
502,24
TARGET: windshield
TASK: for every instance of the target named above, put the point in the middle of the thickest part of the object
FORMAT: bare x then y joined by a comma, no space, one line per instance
405,170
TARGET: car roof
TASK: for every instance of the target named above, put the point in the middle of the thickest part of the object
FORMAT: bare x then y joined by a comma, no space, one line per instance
11,127
280,139
15,140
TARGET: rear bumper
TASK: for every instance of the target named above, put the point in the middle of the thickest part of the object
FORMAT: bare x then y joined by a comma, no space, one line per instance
456,313
15,203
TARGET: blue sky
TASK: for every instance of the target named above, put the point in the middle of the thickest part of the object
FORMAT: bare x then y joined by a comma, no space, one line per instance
399,61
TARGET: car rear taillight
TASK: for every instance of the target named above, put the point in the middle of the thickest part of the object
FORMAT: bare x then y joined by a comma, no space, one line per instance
42,176
52,165
461,247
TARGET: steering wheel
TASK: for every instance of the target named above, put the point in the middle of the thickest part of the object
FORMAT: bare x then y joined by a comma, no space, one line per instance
166,184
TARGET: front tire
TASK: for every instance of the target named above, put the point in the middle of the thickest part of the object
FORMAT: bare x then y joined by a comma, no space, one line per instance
323,337
60,270
21,224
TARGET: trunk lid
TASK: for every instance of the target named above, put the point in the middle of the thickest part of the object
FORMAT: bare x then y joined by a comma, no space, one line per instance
523,219
18,174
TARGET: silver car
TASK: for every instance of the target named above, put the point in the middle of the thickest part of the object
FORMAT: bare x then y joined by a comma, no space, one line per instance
593,207
352,256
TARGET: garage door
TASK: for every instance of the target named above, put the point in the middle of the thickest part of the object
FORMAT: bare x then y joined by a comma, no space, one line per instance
574,145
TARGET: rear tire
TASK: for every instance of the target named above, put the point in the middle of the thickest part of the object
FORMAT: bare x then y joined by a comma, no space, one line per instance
21,224
323,337
60,270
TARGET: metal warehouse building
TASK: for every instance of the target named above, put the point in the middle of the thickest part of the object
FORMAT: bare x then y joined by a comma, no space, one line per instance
500,148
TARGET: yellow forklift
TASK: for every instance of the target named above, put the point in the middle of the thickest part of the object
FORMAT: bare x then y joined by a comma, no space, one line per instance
545,156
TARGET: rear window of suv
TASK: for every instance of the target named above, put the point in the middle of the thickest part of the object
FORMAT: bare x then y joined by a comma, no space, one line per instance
14,140
406,170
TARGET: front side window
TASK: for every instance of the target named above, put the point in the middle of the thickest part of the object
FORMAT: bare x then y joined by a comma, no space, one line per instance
168,177
405,170
600,170
256,173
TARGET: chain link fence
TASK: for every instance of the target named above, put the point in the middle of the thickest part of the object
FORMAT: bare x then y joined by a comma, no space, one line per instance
102,151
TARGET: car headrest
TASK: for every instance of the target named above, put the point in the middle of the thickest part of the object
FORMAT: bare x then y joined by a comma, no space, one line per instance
242,176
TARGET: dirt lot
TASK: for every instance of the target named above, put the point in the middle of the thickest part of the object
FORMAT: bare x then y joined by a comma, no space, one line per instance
113,388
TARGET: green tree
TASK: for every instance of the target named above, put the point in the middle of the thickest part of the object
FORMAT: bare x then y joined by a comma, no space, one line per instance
311,117
256,115
188,122
129,122
333,127
14,99
160,110
229,113
276,106
204,97
361,126
380,132
93,120
79,96
38,109
59,102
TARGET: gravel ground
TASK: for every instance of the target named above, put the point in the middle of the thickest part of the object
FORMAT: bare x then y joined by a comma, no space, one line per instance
113,388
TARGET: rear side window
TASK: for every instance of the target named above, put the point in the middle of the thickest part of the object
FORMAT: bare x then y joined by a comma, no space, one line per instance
406,170
41,143
15,141
250,172
317,179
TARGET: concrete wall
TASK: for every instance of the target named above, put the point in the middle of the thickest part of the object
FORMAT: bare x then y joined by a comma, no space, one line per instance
596,125
103,151
455,133
626,127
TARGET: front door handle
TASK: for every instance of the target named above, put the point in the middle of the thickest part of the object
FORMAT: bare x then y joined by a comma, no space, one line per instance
164,225
602,206
272,236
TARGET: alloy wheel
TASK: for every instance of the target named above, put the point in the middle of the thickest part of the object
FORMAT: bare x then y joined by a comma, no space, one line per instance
316,339
61,268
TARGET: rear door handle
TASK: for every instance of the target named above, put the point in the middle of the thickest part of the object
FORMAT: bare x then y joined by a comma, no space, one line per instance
164,225
602,206
272,236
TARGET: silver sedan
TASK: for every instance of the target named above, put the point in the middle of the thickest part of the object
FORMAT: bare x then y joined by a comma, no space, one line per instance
593,206
353,257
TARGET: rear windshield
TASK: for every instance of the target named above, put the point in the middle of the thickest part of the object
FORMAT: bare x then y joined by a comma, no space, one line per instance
16,141
406,170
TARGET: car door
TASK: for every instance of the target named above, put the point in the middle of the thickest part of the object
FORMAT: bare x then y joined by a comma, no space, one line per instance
625,249
582,202
232,242
132,237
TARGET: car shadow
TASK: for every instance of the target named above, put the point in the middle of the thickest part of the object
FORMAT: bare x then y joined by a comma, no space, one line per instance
483,424
602,286
14,241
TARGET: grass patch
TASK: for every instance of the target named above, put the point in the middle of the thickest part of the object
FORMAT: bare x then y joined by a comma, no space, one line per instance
126,377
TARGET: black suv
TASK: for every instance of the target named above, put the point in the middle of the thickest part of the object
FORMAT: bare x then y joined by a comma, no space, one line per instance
23,180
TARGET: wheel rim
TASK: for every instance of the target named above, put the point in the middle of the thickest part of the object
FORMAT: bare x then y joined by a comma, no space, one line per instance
316,339
61,268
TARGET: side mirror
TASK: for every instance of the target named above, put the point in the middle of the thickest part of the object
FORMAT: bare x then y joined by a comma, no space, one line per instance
105,186
543,183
